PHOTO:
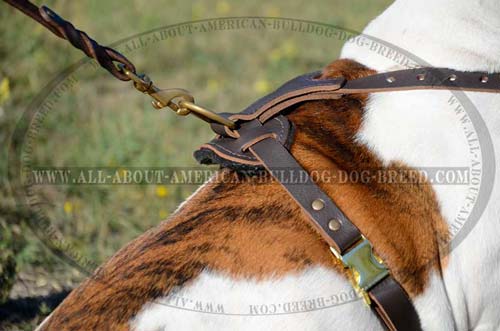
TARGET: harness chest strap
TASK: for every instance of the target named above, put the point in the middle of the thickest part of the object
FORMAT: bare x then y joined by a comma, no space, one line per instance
267,143
373,281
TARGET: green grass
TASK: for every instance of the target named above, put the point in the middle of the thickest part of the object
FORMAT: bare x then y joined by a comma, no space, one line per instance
104,122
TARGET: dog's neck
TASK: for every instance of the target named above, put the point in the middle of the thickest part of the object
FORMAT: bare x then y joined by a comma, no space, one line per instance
459,34
487,11
421,129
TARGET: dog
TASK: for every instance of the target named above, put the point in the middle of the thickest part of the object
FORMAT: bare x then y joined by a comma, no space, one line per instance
240,256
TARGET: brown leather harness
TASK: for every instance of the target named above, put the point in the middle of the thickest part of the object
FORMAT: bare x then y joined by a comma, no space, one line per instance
262,135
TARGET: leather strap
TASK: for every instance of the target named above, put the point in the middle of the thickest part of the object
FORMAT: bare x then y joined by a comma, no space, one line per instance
284,168
232,151
308,87
29,9
389,300
302,88
424,78
393,306
265,144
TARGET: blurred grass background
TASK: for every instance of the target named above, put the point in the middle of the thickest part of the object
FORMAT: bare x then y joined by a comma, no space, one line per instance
104,122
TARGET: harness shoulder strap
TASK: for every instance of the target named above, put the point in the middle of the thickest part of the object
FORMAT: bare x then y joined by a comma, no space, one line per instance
378,288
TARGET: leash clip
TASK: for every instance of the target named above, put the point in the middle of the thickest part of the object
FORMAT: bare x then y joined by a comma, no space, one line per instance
167,98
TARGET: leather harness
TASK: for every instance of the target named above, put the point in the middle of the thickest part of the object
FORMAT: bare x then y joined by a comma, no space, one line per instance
262,140
264,136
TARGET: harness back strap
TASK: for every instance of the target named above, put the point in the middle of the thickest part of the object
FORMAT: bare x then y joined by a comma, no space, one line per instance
424,78
309,87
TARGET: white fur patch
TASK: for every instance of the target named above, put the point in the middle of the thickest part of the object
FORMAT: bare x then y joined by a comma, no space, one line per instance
317,299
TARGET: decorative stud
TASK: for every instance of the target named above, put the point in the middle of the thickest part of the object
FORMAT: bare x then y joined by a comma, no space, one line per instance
421,76
484,79
452,78
391,79
334,224
318,204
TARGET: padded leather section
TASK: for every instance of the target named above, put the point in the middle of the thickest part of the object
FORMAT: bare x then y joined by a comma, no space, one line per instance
233,152
301,88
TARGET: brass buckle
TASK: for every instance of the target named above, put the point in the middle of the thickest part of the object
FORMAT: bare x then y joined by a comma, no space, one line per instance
166,98
367,269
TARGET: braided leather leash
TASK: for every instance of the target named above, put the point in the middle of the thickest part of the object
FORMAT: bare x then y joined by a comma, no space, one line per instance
179,100
105,56
260,136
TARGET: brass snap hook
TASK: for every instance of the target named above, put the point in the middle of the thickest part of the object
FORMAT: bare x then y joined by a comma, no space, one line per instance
206,114
166,98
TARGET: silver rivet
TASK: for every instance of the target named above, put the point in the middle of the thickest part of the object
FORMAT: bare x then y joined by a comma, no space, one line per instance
334,224
318,204
484,79
421,76
452,78
391,79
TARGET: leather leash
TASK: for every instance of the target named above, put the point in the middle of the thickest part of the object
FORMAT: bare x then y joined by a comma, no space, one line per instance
105,56
260,136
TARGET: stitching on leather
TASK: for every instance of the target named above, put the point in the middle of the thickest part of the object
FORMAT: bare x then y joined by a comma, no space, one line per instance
282,131
257,140
231,152
311,79
281,136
